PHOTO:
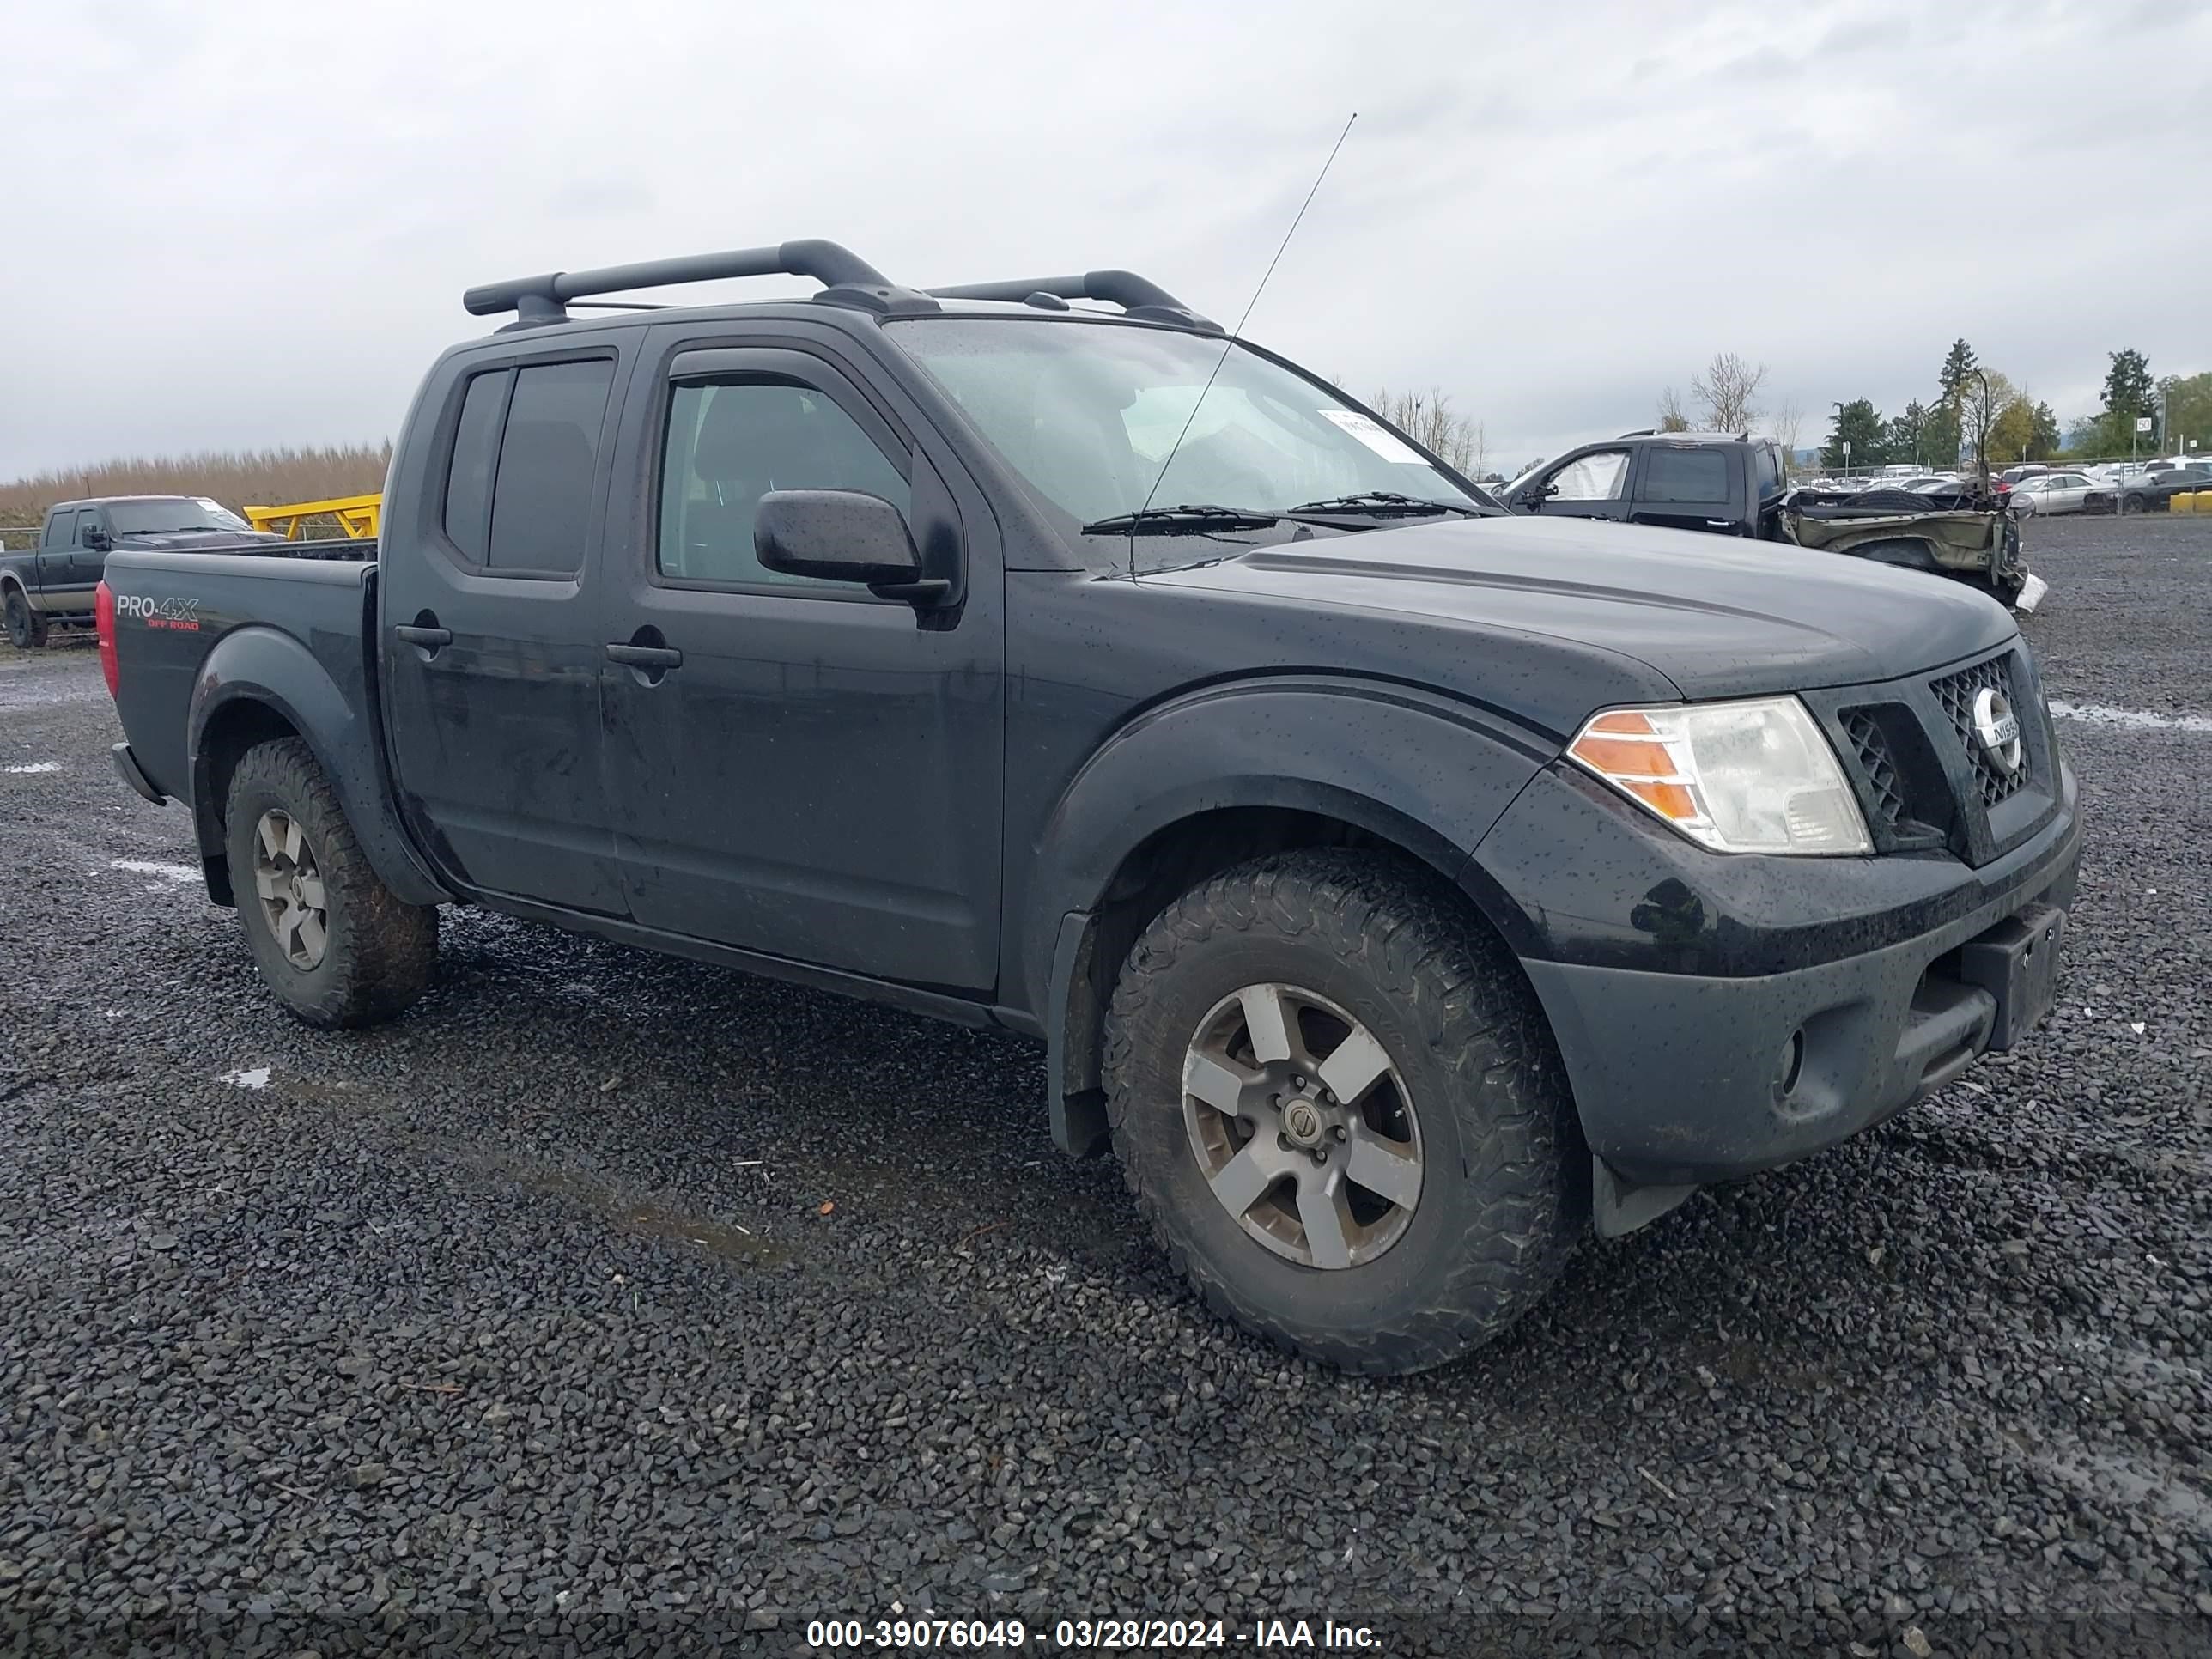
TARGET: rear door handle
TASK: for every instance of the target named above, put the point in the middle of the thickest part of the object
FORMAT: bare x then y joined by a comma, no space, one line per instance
646,656
428,638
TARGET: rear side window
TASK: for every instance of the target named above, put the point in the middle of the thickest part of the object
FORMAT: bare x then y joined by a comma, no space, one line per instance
542,489
475,451
62,531
525,450
1684,475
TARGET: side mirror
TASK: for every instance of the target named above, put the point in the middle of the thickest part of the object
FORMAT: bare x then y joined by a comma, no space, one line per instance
97,540
842,536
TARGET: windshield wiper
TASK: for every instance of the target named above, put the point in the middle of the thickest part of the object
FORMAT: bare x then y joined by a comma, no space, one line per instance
1383,504
1186,520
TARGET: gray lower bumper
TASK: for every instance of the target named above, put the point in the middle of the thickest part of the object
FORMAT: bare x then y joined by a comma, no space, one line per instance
1679,1080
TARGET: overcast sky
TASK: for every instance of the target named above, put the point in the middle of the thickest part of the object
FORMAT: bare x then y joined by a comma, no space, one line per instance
250,221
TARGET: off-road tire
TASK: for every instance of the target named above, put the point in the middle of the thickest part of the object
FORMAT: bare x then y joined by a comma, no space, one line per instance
379,950
1506,1193
26,628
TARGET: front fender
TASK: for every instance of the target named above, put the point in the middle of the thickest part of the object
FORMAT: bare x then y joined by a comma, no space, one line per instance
1426,772
263,669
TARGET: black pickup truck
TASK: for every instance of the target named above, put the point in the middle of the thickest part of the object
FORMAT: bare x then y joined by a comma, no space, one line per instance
1397,884
56,580
1734,486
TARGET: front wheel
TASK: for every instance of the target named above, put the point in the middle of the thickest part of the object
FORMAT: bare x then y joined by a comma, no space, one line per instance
26,628
334,943
1341,1110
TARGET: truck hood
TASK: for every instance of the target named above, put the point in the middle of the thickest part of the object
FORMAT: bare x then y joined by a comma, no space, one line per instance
1717,616
213,541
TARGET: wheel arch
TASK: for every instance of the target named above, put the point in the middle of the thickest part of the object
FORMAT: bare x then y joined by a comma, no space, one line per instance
258,686
1176,798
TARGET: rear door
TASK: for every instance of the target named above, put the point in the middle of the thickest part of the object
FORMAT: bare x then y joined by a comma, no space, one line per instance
1594,485
491,577
812,773
55,551
1689,486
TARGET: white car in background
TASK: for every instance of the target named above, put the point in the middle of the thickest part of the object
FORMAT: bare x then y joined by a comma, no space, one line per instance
2052,492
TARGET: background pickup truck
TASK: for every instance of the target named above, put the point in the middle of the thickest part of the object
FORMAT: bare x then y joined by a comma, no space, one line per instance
56,579
1734,487
1398,885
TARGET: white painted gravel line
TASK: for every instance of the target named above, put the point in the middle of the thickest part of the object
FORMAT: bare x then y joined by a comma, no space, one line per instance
2098,714
148,867
35,766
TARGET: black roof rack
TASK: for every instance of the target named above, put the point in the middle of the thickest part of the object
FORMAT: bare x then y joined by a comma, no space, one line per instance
1137,296
847,279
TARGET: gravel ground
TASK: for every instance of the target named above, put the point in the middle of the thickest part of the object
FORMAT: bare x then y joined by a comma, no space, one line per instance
608,1300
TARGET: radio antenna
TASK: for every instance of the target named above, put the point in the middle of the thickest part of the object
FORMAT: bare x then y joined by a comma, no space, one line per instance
1230,344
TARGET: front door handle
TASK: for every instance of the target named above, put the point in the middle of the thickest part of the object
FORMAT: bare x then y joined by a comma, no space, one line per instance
428,638
658,656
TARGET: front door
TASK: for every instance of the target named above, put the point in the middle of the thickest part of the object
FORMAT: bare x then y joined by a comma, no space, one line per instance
58,554
493,634
1590,486
801,768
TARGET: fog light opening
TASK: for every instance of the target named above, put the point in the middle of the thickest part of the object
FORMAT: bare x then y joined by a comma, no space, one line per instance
1791,1065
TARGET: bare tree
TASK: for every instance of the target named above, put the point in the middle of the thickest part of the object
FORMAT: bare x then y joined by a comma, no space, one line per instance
1786,425
1728,391
1429,419
1671,417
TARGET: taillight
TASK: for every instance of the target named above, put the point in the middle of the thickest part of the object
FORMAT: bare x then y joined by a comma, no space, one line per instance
103,616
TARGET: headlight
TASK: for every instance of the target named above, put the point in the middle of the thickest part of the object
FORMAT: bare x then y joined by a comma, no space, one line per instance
1738,777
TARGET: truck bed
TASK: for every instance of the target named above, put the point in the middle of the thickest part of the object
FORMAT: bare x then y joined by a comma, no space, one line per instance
174,609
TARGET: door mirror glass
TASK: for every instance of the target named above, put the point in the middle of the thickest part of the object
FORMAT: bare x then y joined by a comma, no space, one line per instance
94,537
835,535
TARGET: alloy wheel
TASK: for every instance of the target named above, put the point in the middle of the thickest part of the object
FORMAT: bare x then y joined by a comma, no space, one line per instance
289,883
1302,1127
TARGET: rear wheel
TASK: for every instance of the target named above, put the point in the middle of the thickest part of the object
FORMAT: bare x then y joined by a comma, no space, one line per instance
334,943
1341,1112
26,628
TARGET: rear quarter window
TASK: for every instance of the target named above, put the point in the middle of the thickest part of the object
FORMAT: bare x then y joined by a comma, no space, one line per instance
1685,475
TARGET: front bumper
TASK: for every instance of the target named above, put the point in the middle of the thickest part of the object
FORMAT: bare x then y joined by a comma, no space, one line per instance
1683,1078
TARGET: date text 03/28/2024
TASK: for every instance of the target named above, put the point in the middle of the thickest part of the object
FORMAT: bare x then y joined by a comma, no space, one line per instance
905,1633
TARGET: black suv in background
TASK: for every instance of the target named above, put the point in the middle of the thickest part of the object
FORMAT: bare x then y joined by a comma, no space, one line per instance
1675,480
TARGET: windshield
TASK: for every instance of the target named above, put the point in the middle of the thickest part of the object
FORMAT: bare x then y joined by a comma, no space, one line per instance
169,514
1088,414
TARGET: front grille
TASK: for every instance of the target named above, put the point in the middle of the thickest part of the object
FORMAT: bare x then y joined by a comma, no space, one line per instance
1957,692
1876,764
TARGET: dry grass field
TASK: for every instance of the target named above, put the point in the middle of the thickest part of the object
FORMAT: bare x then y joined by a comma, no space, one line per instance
237,478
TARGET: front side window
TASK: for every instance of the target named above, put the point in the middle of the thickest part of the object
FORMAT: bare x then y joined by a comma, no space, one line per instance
1090,415
730,443
1684,475
548,453
1597,478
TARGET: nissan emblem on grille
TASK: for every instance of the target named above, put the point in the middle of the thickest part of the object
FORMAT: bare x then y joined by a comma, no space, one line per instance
1998,729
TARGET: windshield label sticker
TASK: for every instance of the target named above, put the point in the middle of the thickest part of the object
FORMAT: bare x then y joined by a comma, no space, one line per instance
1377,436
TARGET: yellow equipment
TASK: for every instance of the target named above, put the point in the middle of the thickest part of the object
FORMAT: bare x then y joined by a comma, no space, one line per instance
356,516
